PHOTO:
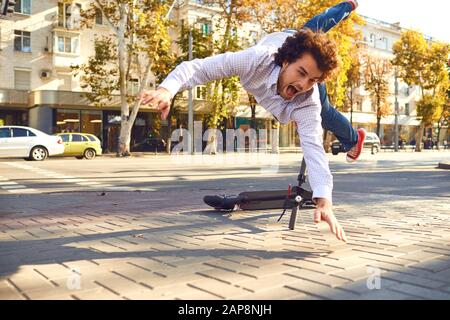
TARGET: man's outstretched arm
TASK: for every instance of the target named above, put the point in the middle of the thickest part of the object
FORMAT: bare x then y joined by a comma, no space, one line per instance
332,16
199,71
310,131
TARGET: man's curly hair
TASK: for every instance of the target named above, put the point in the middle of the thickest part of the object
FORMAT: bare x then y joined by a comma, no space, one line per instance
317,44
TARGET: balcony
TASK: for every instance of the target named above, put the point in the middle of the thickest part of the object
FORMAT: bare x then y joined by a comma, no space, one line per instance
13,98
63,60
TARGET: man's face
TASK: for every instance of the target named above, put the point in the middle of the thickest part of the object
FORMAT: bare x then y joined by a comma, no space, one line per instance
298,77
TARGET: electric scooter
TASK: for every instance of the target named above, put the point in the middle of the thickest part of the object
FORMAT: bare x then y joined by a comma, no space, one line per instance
294,198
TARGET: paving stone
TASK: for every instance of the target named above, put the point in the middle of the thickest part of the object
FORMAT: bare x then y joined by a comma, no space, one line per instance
224,275
318,277
9,292
436,265
362,287
386,294
263,284
218,289
268,270
353,274
443,275
97,293
29,281
421,292
317,267
348,263
320,290
411,279
421,256
277,293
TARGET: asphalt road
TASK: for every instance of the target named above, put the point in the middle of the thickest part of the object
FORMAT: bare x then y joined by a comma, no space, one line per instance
403,173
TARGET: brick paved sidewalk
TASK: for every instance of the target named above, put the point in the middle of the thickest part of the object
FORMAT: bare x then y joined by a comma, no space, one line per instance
139,245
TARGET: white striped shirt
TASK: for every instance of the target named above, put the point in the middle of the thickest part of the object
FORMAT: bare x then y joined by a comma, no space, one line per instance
259,75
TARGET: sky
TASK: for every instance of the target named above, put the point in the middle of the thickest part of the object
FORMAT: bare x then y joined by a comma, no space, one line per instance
431,17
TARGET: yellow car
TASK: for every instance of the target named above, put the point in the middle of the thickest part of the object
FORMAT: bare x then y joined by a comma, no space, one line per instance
81,145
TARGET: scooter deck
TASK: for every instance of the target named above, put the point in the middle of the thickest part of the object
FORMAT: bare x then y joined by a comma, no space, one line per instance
270,199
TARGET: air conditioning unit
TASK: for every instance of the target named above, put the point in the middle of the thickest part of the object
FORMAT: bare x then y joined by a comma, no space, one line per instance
45,74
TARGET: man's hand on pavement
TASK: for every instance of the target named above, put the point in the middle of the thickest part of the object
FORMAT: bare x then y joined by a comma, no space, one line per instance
160,99
324,212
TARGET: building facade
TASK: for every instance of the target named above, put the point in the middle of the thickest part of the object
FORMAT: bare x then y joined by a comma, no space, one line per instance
42,40
39,43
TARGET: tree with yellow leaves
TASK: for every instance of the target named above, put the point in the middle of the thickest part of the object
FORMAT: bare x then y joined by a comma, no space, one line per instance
138,45
423,64
277,15
377,71
353,79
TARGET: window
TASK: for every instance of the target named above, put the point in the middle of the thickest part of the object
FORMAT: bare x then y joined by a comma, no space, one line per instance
64,137
69,15
372,39
205,28
5,133
68,44
133,87
385,43
22,41
67,120
91,122
23,6
22,80
91,138
98,17
78,138
200,92
407,109
19,132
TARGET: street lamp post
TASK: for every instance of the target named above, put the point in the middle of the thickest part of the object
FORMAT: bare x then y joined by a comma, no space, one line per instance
396,113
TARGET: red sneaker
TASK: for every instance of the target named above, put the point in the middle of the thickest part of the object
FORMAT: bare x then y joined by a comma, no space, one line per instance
355,152
354,3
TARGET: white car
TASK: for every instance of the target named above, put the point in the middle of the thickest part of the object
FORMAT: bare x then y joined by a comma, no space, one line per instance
28,143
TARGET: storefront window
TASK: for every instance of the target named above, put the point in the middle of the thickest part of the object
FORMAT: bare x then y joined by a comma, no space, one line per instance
13,117
91,122
67,120
86,121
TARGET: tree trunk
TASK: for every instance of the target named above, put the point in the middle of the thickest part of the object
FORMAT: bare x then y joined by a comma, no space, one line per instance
211,146
438,135
124,138
378,125
419,137
253,108
126,123
351,106
168,135
326,146
275,138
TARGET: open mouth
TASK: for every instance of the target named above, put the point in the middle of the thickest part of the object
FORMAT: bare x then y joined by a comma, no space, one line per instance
291,91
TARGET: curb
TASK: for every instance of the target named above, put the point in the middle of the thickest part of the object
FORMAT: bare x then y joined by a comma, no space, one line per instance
444,165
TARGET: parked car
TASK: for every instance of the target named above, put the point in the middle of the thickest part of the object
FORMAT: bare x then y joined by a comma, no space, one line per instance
371,143
28,143
154,144
81,145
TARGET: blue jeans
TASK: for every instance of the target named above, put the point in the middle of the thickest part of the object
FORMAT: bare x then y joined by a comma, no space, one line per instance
332,119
